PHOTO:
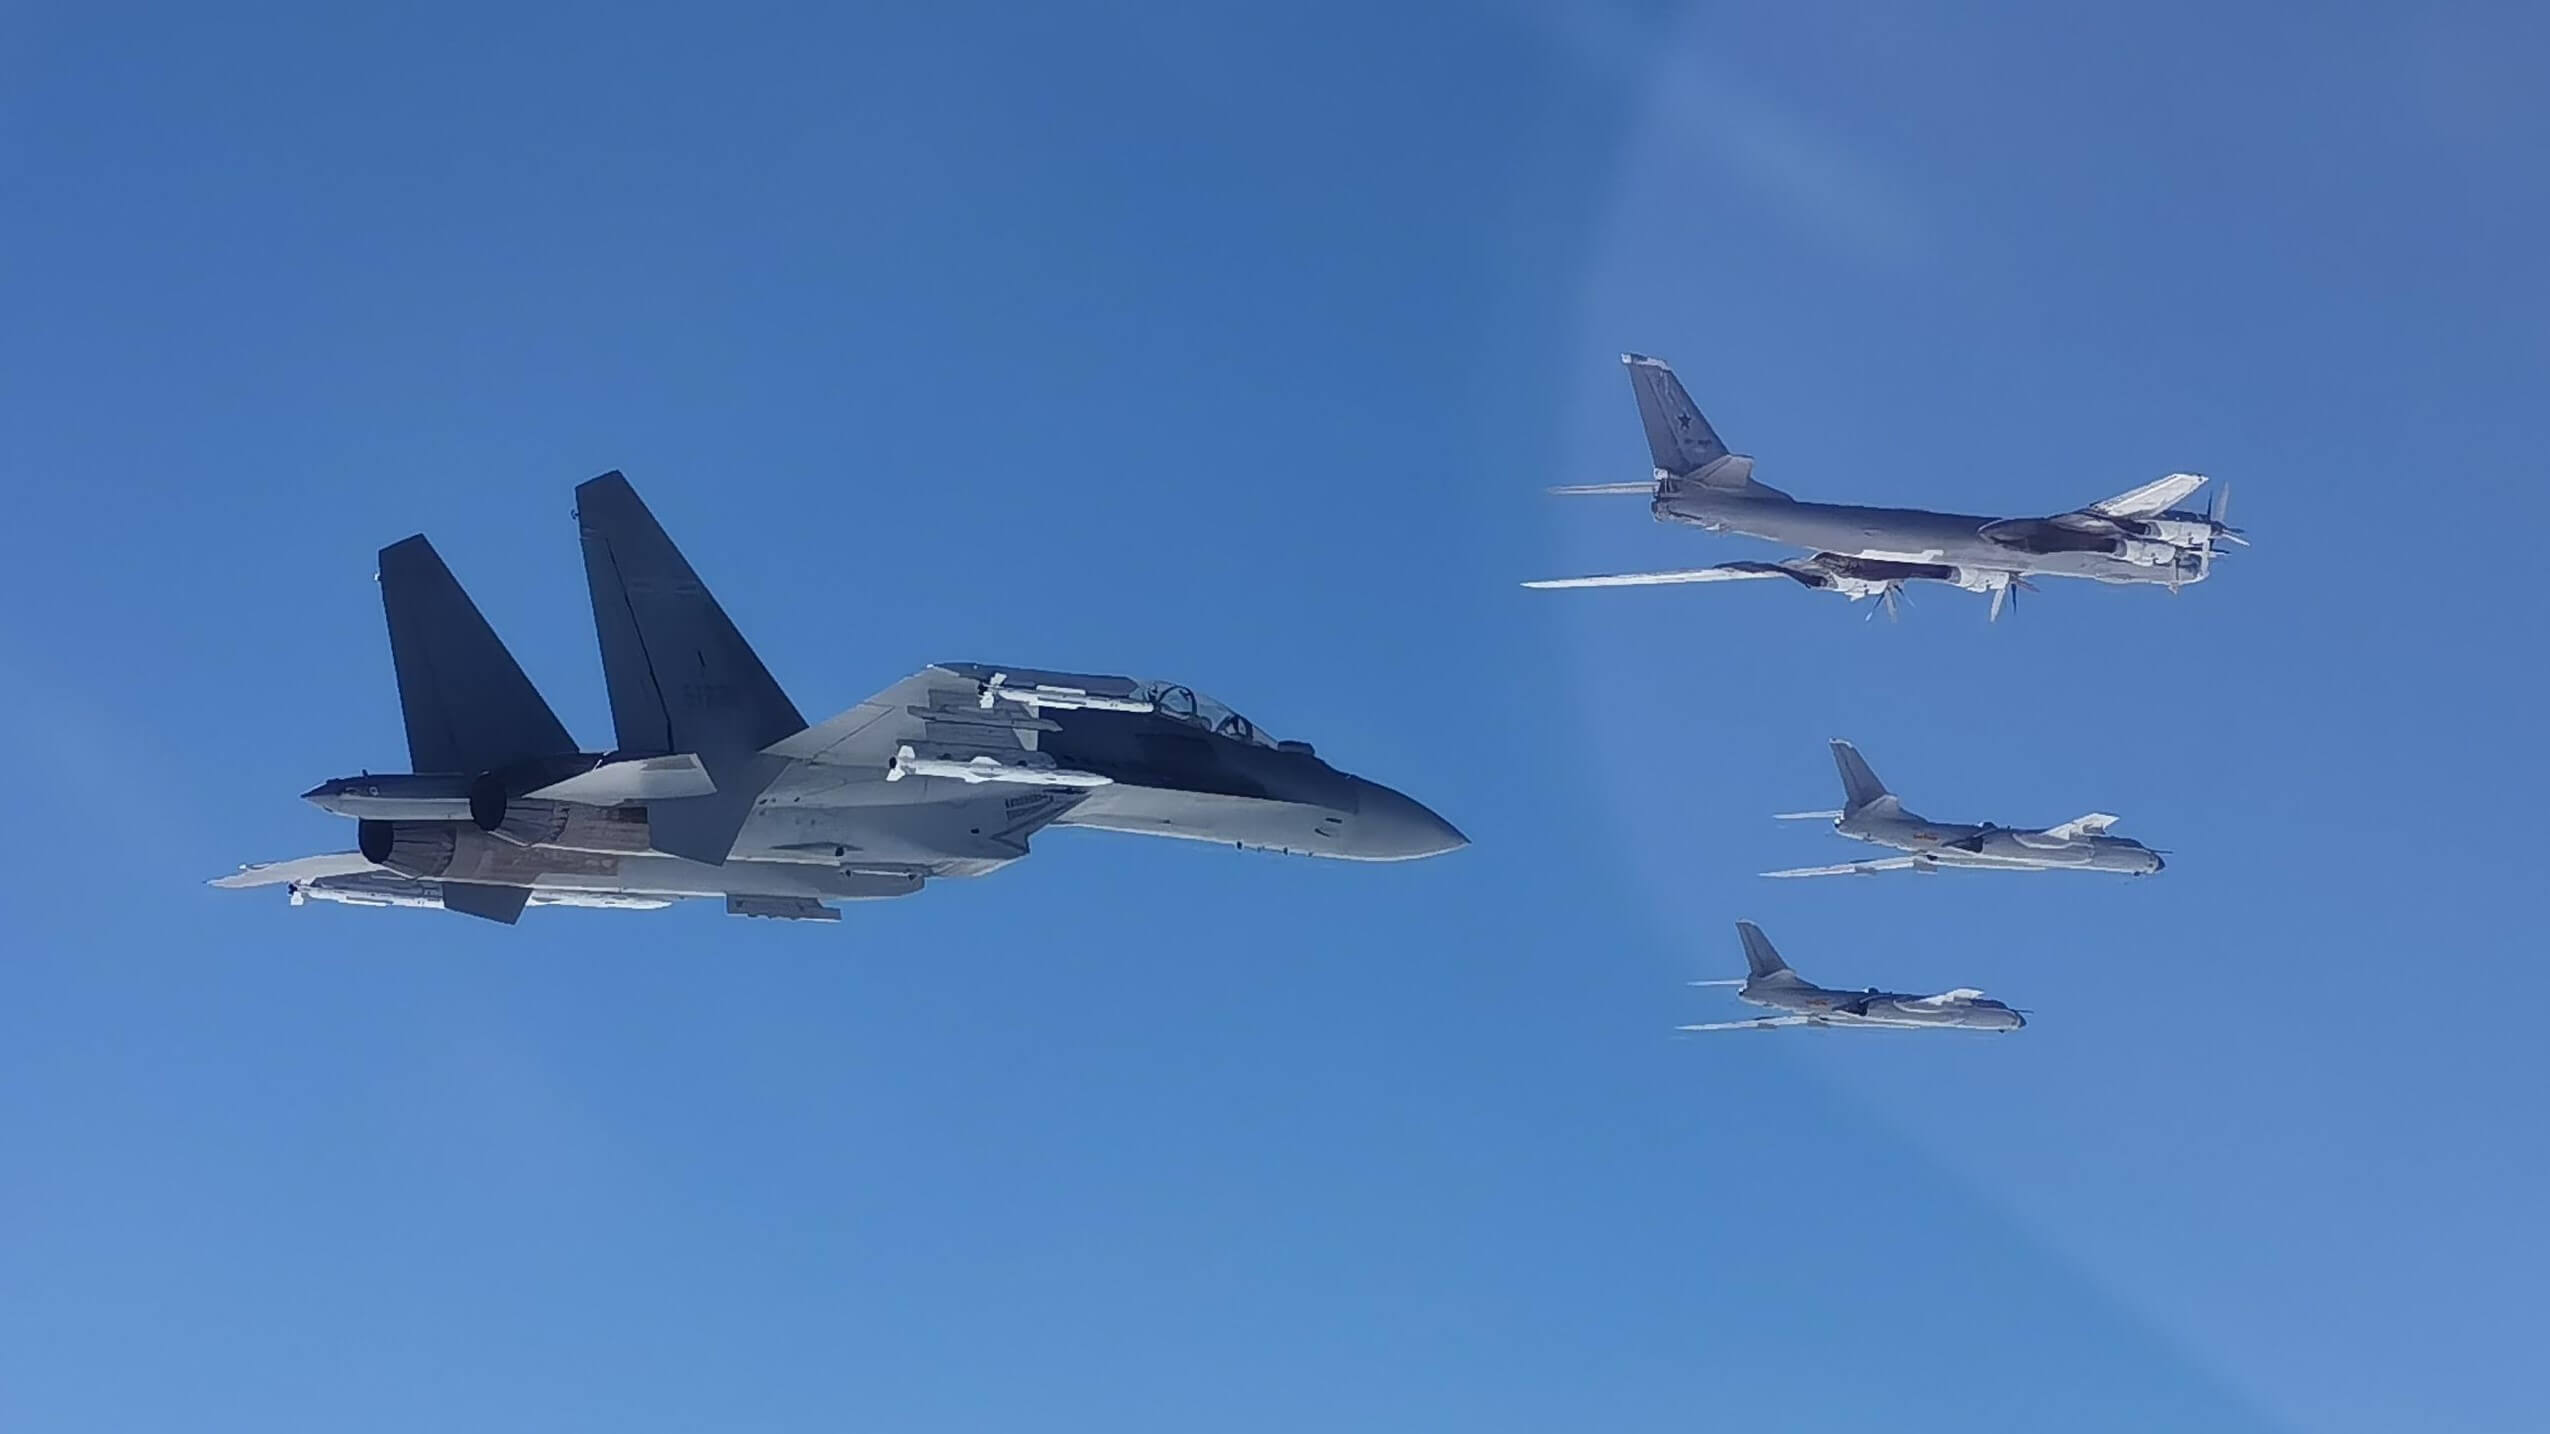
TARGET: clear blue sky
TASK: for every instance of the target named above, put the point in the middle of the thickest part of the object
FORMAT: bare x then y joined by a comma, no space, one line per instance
1234,344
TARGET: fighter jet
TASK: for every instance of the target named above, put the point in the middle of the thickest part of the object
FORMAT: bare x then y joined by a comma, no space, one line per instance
1771,983
719,788
2135,537
1872,814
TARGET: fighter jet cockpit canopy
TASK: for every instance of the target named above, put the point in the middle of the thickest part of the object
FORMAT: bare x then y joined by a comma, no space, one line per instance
1065,690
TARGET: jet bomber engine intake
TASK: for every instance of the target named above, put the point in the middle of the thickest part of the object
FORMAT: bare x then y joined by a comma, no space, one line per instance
415,849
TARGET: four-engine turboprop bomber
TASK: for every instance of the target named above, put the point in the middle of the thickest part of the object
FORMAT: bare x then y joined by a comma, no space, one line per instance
2136,537
1770,982
1872,814
719,788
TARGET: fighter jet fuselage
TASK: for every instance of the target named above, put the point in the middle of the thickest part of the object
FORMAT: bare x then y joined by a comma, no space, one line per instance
720,788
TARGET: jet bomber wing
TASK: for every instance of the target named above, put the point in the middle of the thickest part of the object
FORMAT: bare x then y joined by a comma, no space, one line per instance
2093,824
1758,1023
1853,868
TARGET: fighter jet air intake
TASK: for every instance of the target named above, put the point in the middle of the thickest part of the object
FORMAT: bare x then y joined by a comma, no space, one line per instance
717,787
2135,537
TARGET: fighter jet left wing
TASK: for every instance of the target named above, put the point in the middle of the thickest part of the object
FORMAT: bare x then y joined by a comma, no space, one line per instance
1758,1023
1853,868
2078,827
868,734
1722,573
306,868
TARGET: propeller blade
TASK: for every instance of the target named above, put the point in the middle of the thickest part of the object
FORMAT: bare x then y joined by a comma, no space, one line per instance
2000,600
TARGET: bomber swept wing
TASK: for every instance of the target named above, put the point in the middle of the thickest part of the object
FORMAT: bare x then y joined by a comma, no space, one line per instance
1859,868
1722,573
1758,1023
2093,824
2151,500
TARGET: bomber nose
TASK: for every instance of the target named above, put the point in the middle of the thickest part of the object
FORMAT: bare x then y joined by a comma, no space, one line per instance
2157,865
1391,827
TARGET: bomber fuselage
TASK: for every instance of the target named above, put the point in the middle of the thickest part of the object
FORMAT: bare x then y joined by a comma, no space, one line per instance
1969,542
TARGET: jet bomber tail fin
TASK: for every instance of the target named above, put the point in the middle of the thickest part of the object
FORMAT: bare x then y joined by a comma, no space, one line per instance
1860,787
1761,958
468,706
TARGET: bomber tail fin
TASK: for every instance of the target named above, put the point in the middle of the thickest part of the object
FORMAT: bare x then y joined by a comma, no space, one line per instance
1860,787
468,706
1761,959
1680,441
681,678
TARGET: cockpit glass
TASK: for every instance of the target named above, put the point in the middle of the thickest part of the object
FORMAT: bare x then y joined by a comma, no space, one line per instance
1187,705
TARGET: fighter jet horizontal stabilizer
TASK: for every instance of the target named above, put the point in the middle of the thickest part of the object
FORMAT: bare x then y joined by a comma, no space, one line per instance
639,779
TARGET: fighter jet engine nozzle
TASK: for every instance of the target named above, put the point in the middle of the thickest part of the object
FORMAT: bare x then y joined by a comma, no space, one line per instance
535,822
417,849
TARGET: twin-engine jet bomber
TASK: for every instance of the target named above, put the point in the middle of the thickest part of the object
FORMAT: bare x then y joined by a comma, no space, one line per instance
1872,814
719,788
1771,983
2136,537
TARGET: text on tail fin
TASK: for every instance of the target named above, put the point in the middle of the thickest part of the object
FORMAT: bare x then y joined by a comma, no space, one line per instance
1678,438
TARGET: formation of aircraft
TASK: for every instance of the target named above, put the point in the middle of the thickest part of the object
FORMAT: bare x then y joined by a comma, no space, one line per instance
1872,814
1769,982
2140,536
717,787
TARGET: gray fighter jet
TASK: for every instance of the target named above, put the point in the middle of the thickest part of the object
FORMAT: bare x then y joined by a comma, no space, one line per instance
1872,814
2136,537
1771,983
719,788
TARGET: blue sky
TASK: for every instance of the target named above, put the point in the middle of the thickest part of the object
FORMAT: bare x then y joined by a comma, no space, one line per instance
1233,344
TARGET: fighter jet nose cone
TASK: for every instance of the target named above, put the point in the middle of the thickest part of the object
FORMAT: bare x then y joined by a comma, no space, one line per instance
1391,827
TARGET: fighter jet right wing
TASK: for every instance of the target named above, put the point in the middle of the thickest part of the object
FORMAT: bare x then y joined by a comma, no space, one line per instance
1853,868
1722,573
1758,1023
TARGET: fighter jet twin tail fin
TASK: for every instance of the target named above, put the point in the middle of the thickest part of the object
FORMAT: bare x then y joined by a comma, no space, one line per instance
692,705
681,678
